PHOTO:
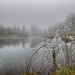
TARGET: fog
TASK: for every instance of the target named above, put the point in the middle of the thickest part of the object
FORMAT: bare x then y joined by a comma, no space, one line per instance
37,37
42,13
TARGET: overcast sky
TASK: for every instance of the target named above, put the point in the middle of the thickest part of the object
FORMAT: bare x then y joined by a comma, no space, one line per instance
41,13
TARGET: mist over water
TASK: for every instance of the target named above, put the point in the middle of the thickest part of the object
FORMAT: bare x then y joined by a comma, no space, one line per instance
36,36
13,52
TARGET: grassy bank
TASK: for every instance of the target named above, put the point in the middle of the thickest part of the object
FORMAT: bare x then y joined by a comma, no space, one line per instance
66,70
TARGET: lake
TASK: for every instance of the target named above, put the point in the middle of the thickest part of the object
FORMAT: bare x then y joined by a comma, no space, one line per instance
14,51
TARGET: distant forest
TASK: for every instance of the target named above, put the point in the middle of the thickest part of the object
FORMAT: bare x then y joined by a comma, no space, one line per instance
23,32
70,22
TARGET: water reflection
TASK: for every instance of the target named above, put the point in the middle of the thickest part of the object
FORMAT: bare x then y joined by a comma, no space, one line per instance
16,42
18,51
14,51
13,42
34,42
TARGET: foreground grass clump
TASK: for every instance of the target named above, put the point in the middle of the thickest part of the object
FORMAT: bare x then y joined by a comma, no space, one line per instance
66,70
70,70
30,74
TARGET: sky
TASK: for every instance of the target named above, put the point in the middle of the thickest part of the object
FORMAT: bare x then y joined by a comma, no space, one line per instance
41,13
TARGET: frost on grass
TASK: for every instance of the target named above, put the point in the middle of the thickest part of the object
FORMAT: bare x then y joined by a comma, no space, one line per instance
1,62
43,58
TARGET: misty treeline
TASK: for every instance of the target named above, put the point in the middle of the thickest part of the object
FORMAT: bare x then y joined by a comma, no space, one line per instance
13,31
35,31
22,31
70,22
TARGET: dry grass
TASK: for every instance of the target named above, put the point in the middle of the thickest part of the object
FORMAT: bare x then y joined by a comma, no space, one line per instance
70,70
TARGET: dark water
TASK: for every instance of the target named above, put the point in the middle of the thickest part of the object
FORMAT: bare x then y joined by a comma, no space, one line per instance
14,51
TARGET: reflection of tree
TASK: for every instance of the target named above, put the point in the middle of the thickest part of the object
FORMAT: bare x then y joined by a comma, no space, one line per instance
24,41
13,42
34,42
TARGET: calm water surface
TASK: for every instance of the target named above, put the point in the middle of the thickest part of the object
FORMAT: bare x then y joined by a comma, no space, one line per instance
14,51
